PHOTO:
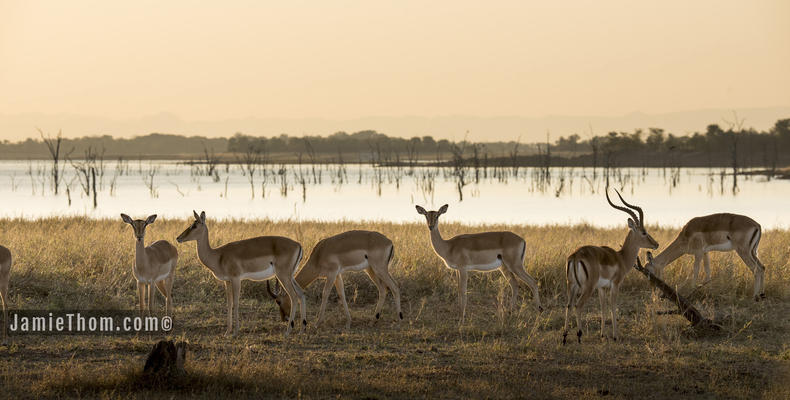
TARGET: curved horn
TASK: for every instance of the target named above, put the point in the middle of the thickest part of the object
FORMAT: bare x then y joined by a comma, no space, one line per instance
269,290
627,210
637,208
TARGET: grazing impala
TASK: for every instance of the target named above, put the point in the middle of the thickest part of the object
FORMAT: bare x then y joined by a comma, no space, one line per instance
594,267
153,265
257,259
481,252
349,251
5,274
716,232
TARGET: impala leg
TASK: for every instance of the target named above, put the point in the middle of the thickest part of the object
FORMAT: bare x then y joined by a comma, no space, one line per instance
3,299
169,287
229,298
463,277
330,279
341,292
141,296
571,296
236,286
579,304
706,264
149,288
296,295
513,287
613,295
603,310
697,258
386,279
757,268
521,273
382,290
160,285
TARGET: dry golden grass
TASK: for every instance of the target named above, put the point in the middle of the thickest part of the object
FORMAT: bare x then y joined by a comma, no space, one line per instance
80,264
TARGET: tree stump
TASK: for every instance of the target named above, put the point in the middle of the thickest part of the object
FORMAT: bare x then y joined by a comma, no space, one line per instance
166,359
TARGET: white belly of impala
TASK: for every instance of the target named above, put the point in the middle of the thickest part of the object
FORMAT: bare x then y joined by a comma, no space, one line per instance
727,246
485,267
359,267
603,283
261,275
154,280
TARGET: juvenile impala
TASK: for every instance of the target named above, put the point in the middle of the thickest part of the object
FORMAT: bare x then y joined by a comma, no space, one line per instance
716,232
5,274
153,265
594,267
481,252
349,251
257,259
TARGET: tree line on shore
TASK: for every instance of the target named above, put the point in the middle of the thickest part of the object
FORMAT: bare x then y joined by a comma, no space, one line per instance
718,146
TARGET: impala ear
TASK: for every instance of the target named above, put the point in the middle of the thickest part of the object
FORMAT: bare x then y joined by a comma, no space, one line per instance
197,217
649,257
126,218
151,219
443,209
631,224
420,210
203,217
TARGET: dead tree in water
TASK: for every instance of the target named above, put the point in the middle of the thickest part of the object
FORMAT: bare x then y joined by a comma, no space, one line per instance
248,164
459,167
53,145
86,172
210,160
736,127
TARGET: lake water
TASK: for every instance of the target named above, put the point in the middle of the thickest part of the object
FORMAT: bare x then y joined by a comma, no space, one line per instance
369,193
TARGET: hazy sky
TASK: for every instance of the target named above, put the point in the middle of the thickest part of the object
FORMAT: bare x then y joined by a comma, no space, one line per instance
351,59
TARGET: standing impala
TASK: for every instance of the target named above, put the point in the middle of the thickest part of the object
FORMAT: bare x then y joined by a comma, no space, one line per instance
5,274
349,251
481,252
153,265
599,267
716,232
257,259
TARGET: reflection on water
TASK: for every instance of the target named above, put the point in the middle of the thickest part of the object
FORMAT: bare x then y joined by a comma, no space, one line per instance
363,192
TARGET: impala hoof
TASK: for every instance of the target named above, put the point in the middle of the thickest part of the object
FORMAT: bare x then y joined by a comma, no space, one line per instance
400,314
292,324
378,315
579,335
540,309
304,322
564,338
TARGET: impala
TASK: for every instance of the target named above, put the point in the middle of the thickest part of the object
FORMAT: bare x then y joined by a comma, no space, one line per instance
5,274
257,259
716,232
481,252
349,251
600,267
153,265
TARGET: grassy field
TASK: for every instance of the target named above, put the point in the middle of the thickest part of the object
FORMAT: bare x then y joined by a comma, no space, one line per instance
86,264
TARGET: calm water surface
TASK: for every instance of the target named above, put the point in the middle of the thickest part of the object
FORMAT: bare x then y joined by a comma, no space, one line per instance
354,192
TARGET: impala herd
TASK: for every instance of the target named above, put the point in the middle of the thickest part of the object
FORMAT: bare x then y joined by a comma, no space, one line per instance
589,268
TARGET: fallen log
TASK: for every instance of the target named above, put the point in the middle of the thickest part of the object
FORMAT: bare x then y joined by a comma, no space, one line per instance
685,307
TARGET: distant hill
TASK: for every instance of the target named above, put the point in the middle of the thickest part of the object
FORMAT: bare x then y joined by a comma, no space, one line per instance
505,128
